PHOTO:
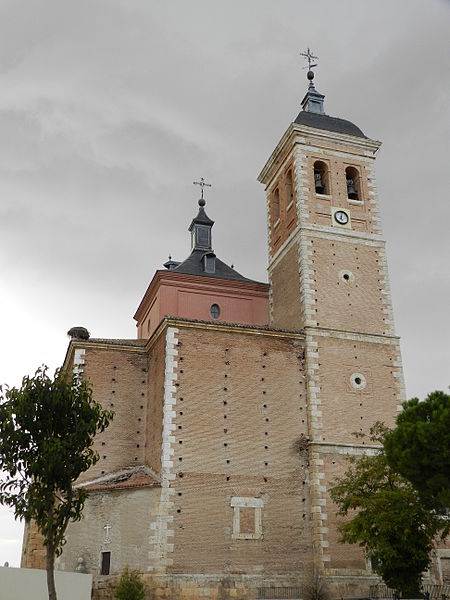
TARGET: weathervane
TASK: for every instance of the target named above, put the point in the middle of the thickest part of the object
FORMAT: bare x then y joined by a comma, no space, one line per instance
202,183
309,56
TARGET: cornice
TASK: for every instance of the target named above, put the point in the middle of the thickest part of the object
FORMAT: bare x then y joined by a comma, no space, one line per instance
381,338
320,231
181,323
295,135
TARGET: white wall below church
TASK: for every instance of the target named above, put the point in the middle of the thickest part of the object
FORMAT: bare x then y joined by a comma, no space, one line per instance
128,514
23,584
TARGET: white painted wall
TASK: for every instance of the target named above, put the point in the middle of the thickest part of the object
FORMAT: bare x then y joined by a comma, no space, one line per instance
31,584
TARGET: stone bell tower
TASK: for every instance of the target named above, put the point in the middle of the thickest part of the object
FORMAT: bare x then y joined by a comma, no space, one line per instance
328,276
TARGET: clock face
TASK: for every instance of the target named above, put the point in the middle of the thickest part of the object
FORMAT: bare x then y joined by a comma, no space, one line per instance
341,217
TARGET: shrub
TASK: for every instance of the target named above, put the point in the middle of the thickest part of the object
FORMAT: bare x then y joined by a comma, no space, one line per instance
131,586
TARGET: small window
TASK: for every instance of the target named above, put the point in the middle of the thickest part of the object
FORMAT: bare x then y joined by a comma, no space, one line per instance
106,563
247,518
353,183
321,178
276,207
289,188
210,263
215,311
203,236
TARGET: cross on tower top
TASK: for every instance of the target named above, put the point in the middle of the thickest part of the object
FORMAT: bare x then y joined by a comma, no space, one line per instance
309,56
202,183
313,101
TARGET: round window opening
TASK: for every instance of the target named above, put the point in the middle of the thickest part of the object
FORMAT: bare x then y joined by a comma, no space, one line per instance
358,381
215,311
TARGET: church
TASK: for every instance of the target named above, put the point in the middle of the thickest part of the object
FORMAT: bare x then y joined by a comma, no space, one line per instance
237,403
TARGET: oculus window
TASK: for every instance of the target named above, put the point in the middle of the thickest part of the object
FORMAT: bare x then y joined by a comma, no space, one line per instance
215,311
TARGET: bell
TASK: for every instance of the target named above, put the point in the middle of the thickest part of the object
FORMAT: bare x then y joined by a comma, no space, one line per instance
351,190
318,182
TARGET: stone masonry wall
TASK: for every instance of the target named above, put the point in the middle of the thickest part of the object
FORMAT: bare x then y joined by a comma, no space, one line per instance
33,549
127,514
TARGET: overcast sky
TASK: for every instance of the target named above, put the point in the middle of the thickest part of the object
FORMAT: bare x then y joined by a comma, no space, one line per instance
110,109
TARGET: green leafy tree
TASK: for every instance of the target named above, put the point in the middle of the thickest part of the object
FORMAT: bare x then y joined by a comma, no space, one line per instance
419,448
47,430
387,518
131,586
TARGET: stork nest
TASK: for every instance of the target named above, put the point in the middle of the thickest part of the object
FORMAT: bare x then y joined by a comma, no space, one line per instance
80,333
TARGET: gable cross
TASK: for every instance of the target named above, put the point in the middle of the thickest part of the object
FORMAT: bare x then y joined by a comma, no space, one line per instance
107,529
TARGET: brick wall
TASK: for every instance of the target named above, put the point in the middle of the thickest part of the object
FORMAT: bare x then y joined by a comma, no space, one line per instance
356,409
349,287
285,285
283,221
119,379
240,410
320,205
345,557
155,401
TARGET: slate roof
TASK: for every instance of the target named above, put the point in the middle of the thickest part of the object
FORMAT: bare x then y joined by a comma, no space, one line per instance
322,121
193,265
201,218
116,342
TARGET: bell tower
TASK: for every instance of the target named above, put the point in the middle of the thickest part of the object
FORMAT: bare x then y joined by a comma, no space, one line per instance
328,276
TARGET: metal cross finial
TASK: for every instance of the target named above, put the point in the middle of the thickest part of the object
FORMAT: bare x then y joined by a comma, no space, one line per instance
202,183
309,56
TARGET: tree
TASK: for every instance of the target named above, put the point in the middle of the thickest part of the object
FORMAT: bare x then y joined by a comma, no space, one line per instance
47,429
391,524
131,586
315,586
419,448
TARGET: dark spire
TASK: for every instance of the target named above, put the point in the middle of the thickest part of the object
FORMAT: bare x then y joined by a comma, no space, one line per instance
313,100
202,259
201,225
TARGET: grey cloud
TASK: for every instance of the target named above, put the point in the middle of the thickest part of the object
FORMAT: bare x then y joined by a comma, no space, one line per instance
109,112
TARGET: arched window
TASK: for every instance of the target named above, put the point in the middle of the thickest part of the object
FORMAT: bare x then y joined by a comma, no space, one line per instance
353,183
276,206
289,189
321,178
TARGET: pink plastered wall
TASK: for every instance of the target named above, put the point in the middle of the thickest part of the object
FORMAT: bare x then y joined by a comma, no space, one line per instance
191,297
